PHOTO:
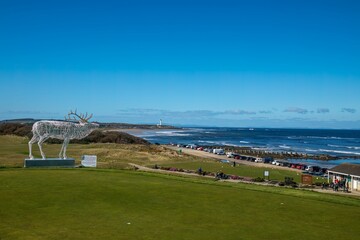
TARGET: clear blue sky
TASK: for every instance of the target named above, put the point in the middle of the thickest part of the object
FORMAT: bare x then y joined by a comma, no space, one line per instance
224,63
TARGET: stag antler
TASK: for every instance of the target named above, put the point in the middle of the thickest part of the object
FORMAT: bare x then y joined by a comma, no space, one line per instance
81,117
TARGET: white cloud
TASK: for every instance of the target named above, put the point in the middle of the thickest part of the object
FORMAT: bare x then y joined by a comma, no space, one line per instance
296,110
323,110
348,110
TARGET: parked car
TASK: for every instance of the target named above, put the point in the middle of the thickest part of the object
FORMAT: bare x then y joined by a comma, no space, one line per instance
268,159
285,164
275,162
224,161
230,154
259,160
219,151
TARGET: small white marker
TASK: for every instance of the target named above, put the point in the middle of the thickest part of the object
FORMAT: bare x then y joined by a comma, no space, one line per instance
128,223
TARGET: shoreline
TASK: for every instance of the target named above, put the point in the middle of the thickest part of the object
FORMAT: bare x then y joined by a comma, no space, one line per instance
245,150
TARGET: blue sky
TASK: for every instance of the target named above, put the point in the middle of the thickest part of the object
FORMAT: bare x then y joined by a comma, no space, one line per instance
216,63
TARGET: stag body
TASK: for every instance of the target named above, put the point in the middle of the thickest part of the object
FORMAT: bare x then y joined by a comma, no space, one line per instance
42,130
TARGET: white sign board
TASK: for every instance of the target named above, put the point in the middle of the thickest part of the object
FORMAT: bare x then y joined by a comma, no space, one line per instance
266,173
89,160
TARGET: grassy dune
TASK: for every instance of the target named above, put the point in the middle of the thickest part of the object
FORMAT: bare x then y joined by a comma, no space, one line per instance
14,149
123,204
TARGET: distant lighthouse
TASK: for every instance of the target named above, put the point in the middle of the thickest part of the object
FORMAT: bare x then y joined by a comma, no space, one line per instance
160,123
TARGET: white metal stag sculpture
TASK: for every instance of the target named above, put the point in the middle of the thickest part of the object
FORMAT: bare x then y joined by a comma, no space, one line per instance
67,130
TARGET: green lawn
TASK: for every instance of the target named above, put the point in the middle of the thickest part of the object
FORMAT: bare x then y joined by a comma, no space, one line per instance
123,204
240,170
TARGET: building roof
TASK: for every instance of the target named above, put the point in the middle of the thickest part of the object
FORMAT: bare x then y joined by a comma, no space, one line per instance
347,168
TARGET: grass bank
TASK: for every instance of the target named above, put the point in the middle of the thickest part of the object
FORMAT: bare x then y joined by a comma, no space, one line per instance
123,204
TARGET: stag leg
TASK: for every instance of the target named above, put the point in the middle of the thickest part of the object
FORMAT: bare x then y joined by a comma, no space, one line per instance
62,149
40,142
66,142
34,139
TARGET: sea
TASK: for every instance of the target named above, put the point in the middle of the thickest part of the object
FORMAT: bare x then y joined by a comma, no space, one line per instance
340,143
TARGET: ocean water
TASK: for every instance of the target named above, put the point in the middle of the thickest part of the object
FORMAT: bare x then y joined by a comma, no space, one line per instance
342,143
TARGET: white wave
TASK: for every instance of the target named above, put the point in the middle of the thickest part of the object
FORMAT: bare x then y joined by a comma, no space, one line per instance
318,137
337,146
284,146
230,144
293,137
342,152
310,150
261,149
244,142
211,142
348,147
172,133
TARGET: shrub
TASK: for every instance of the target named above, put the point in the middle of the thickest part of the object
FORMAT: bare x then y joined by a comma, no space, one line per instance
259,179
234,177
249,179
289,181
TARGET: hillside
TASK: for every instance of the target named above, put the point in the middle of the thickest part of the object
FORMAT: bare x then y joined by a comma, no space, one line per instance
97,136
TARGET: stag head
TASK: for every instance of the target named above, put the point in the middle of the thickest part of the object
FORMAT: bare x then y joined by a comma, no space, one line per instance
82,118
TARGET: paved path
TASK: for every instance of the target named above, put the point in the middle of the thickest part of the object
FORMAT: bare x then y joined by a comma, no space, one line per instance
219,157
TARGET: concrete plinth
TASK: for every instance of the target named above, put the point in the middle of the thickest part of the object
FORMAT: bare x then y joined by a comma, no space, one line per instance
50,162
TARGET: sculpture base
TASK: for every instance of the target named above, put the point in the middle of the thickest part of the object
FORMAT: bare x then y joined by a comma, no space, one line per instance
49,162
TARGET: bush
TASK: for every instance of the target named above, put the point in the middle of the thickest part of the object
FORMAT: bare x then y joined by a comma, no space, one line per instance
248,179
18,129
289,181
234,177
259,179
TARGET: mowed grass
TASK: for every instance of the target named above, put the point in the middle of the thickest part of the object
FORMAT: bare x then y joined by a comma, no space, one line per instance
123,204
240,170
